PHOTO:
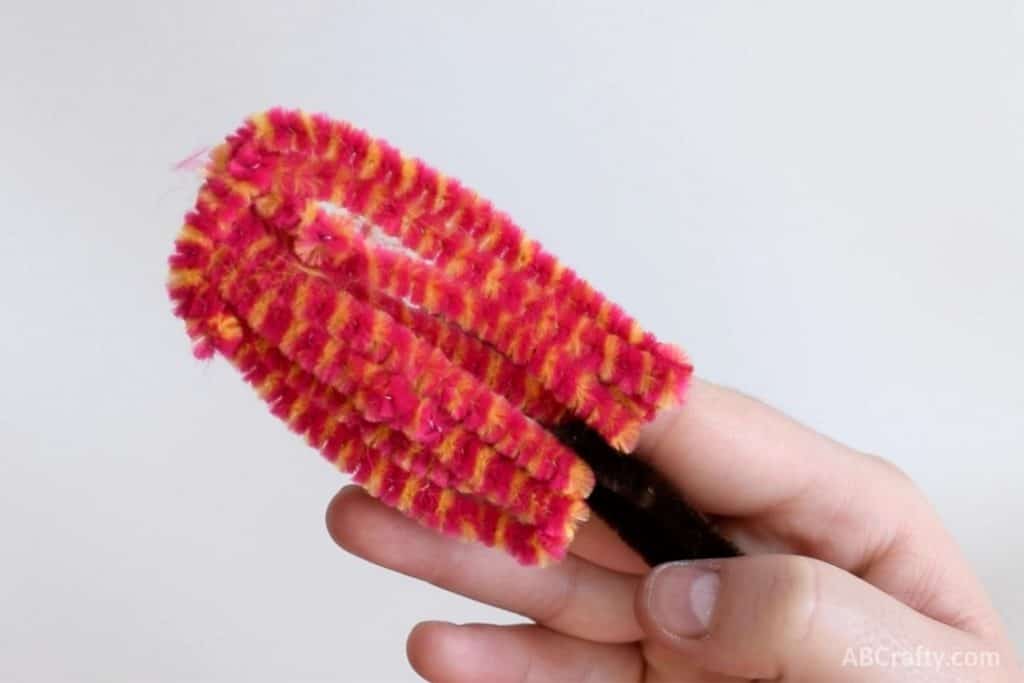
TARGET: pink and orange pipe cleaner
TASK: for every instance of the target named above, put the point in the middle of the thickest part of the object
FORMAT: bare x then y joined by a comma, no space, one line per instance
411,332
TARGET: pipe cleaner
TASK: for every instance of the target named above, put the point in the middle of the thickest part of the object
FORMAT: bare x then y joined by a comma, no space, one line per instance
418,339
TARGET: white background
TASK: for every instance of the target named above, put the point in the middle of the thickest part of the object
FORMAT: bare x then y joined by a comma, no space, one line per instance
822,201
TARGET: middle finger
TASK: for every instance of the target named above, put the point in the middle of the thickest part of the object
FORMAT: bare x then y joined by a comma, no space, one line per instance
574,597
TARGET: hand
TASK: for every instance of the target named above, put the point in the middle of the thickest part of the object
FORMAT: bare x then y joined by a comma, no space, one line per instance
849,576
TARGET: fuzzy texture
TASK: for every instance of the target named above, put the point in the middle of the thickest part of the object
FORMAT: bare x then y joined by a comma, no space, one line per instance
641,505
411,332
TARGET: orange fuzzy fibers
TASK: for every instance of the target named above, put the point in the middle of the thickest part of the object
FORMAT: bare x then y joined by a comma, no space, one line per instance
411,332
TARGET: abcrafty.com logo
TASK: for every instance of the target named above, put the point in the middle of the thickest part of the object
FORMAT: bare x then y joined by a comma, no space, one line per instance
919,658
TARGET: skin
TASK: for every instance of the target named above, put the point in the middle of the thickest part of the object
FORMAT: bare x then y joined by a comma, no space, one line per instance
843,553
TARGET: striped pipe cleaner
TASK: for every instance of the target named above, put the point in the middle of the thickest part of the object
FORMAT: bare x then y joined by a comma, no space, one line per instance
410,331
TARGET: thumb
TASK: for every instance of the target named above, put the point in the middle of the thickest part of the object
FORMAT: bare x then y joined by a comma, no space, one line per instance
792,618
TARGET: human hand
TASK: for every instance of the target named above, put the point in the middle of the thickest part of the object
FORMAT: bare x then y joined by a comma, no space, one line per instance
850,575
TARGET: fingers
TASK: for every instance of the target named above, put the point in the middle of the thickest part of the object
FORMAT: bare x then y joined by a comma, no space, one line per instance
785,617
598,543
478,652
735,456
573,597
788,489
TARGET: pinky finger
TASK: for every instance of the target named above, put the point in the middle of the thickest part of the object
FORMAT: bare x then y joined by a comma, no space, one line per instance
445,653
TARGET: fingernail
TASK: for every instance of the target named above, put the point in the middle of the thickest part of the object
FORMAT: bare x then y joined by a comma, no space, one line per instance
681,598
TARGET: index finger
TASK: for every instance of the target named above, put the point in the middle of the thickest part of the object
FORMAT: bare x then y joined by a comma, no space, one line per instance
735,457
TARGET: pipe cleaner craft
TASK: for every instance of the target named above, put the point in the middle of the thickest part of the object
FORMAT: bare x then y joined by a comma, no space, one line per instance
417,338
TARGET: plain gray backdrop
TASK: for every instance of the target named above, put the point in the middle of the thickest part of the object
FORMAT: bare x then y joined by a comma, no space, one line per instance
821,201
